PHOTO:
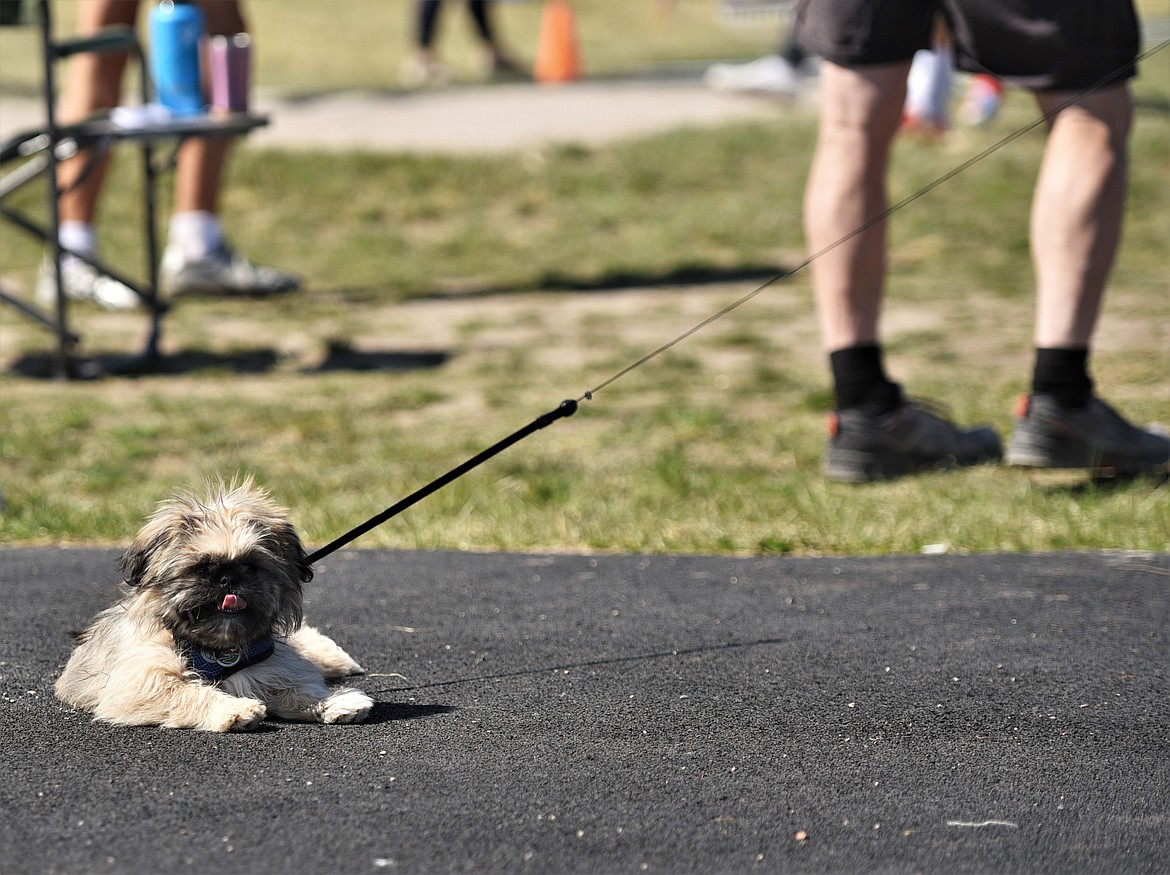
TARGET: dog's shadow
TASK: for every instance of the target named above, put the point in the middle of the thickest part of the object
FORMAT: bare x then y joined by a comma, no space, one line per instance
393,712
382,712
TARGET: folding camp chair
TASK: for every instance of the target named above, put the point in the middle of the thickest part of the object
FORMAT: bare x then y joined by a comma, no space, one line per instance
36,155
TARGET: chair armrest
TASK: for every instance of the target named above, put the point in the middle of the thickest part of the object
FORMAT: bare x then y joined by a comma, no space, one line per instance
104,42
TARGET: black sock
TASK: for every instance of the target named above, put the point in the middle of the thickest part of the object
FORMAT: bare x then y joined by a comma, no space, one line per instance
1063,374
859,380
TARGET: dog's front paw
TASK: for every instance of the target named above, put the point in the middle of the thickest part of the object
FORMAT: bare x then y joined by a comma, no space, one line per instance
346,706
237,715
324,652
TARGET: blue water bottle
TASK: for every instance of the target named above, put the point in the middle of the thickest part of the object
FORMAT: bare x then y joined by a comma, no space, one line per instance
176,27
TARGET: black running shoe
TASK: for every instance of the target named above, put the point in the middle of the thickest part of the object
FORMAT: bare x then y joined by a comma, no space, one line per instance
1097,437
863,447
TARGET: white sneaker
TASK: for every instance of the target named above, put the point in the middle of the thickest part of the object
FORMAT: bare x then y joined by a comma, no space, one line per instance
83,283
420,72
770,74
218,273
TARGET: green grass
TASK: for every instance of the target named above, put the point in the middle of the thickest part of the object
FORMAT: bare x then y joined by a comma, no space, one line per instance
537,277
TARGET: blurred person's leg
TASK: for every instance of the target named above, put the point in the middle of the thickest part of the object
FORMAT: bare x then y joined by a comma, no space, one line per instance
480,17
498,60
93,82
197,259
202,161
422,67
1076,222
1064,50
1077,211
861,109
426,23
874,432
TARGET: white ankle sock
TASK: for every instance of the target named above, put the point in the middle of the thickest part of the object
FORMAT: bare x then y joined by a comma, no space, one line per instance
196,233
78,236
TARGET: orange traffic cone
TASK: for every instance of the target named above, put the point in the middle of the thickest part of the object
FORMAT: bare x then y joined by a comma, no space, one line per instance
558,58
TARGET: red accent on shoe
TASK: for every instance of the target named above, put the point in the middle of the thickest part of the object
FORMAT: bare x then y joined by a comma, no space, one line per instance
1022,405
833,424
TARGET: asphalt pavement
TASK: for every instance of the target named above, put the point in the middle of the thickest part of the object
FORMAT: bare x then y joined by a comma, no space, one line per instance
598,714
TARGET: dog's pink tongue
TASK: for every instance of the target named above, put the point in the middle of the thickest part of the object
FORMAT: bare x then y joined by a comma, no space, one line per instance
233,602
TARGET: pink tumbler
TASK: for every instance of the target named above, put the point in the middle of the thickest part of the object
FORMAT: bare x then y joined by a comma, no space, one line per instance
230,63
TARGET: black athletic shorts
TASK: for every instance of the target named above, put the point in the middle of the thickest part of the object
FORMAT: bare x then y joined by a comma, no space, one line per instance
1045,45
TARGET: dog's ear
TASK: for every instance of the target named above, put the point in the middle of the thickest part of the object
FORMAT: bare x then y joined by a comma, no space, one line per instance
136,563
305,568
284,542
295,552
133,565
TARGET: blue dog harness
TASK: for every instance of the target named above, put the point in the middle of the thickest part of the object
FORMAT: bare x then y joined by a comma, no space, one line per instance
213,666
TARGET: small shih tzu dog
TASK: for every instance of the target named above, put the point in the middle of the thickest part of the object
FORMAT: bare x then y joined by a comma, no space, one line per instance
209,634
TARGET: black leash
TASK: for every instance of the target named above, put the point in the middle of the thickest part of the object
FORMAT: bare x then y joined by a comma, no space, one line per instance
569,407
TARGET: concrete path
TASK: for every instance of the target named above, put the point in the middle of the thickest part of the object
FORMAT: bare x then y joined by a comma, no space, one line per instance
626,714
502,118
